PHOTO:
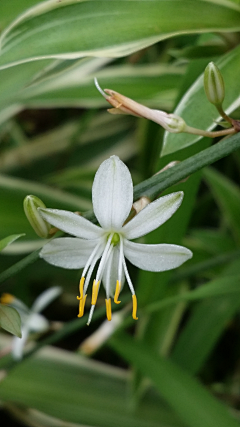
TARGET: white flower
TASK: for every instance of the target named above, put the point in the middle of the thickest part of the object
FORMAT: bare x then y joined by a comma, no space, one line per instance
31,320
112,196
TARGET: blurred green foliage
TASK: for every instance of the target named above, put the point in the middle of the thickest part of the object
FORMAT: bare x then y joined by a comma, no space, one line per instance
54,133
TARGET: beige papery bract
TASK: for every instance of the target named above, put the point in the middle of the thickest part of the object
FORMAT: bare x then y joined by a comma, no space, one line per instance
112,196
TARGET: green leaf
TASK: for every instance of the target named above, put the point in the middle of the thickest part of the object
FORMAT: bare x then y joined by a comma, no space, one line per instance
81,391
12,81
218,287
71,83
158,183
10,320
8,240
227,196
203,329
75,29
194,405
195,109
11,8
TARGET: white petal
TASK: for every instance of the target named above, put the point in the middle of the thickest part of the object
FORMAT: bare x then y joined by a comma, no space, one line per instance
156,257
18,344
37,323
110,275
46,298
68,252
112,193
153,215
71,223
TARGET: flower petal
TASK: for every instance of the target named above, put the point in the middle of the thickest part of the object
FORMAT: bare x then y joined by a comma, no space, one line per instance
68,252
112,193
156,257
110,274
45,299
153,215
71,223
37,323
19,343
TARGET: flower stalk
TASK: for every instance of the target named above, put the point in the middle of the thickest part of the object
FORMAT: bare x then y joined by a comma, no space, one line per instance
172,122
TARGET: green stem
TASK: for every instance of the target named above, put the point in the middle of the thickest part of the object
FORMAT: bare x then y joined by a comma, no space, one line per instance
223,114
14,269
158,183
209,134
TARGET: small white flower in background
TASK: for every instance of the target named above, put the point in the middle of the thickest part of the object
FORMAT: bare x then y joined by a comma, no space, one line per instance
31,320
92,343
124,105
112,196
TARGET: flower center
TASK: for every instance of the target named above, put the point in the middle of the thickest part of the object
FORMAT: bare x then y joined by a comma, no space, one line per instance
115,239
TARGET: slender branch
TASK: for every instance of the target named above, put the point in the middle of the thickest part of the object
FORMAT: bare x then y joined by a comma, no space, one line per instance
158,183
210,134
14,269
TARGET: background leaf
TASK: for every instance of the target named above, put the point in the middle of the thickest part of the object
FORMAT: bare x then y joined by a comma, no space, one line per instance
78,29
10,320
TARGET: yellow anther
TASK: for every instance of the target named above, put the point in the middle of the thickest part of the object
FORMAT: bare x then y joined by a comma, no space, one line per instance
81,283
81,306
95,291
108,308
7,298
134,311
117,292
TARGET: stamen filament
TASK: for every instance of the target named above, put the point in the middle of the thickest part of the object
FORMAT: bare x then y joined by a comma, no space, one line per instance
95,291
128,277
81,306
108,309
104,258
90,259
117,292
90,315
81,283
134,311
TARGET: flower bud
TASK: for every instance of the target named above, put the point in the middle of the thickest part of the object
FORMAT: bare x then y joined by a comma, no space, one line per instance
31,205
214,84
174,124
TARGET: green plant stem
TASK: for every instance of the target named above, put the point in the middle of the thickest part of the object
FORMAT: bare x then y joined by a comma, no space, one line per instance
209,134
223,114
14,269
158,183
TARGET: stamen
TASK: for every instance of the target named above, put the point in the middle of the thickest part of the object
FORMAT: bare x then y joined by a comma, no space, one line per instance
134,311
95,291
117,292
108,309
91,258
6,298
128,277
90,315
104,258
81,306
81,283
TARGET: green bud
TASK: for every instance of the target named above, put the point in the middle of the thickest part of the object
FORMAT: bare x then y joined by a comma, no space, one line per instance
214,84
31,205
